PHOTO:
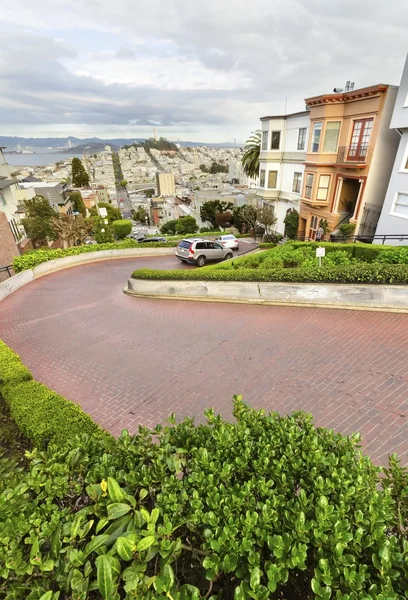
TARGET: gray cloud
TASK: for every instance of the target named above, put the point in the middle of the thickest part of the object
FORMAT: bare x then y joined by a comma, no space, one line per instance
268,49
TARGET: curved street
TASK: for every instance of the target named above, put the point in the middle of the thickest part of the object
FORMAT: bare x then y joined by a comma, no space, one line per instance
131,361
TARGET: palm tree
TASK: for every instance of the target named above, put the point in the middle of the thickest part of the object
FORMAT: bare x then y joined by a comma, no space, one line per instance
250,158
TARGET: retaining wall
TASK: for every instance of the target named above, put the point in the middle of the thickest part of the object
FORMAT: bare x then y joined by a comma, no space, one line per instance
364,297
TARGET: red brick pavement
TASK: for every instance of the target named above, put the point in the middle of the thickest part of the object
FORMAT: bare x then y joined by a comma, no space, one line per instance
129,361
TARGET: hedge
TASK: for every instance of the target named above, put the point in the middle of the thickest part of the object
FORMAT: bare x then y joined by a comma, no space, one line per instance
263,508
41,414
36,257
352,273
364,252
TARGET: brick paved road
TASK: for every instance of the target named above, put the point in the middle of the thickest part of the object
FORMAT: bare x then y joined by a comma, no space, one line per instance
129,361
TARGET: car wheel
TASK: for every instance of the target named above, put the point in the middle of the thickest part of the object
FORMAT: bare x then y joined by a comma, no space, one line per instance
200,261
228,256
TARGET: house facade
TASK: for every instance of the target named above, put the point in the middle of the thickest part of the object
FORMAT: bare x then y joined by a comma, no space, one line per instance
394,215
349,157
11,196
282,156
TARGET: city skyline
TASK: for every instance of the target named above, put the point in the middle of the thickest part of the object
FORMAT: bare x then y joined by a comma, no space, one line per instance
202,75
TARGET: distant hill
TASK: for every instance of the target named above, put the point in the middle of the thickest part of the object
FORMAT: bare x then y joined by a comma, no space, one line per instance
67,143
89,148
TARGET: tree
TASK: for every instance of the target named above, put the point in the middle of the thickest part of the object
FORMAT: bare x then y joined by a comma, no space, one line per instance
169,227
204,168
217,168
291,223
121,228
114,214
186,225
38,221
72,229
80,177
223,219
267,218
102,232
250,217
250,158
123,183
140,214
79,206
209,210
149,193
237,219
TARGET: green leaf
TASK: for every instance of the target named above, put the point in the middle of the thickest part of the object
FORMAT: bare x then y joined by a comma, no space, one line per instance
154,515
104,577
47,565
125,548
56,542
143,494
96,542
145,543
167,576
255,579
47,596
114,490
117,510
230,562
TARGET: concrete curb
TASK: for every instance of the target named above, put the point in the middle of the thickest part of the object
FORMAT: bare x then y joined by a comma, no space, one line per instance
14,283
342,296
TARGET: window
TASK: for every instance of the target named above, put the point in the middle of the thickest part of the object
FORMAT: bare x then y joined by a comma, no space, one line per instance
309,185
297,179
2,199
313,227
264,140
360,139
400,207
404,166
323,189
262,178
317,130
272,179
301,138
331,136
275,140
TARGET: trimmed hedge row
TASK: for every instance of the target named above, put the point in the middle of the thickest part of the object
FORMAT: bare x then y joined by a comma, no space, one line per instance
364,252
41,414
353,273
36,257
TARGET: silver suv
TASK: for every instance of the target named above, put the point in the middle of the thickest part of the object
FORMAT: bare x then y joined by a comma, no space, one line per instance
199,251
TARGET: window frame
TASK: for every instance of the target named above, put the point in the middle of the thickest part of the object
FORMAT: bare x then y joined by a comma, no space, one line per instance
404,164
276,180
312,175
392,212
338,137
312,137
355,157
272,132
260,178
264,138
320,187
298,181
303,146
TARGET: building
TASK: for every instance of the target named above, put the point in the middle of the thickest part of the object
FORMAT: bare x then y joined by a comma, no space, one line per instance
8,246
394,214
166,185
56,193
282,156
349,158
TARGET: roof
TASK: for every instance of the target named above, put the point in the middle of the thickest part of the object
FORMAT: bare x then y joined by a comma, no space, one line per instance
296,114
4,183
366,92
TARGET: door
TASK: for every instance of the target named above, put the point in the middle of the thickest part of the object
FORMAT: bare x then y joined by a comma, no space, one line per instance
360,140
214,251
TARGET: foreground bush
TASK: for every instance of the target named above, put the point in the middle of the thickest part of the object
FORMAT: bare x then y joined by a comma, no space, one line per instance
266,507
36,257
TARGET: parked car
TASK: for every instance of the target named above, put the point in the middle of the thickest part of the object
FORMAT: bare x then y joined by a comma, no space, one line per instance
151,239
89,241
198,251
228,241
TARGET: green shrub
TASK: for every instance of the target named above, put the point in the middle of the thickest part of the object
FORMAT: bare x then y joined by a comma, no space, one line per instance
186,225
347,229
122,228
12,370
169,227
30,260
363,252
291,224
42,415
262,508
397,255
265,245
209,230
352,273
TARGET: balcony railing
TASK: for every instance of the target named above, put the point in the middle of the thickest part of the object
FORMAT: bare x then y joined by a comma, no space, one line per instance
356,153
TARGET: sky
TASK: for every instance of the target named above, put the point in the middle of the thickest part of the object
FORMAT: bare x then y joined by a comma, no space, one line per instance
196,71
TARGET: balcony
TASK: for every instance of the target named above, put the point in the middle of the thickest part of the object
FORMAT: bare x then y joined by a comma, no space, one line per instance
354,156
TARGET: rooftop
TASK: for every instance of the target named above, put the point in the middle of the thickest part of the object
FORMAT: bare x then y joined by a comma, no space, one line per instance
296,114
349,96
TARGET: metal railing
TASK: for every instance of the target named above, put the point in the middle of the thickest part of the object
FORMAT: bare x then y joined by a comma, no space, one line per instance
7,269
356,153
368,239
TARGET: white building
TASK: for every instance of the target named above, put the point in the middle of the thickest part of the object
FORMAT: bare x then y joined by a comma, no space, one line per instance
394,214
282,157
165,184
236,174
11,196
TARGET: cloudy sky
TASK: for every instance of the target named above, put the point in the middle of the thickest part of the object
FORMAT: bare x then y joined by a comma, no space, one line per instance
200,71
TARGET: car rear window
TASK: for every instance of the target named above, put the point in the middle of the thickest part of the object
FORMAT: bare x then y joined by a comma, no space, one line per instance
228,237
185,244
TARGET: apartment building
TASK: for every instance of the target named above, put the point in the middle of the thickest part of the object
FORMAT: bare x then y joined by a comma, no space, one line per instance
166,185
282,156
394,215
349,157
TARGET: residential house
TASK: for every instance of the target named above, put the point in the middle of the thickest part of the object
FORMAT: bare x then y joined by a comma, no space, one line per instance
282,156
394,215
54,192
349,158
11,196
